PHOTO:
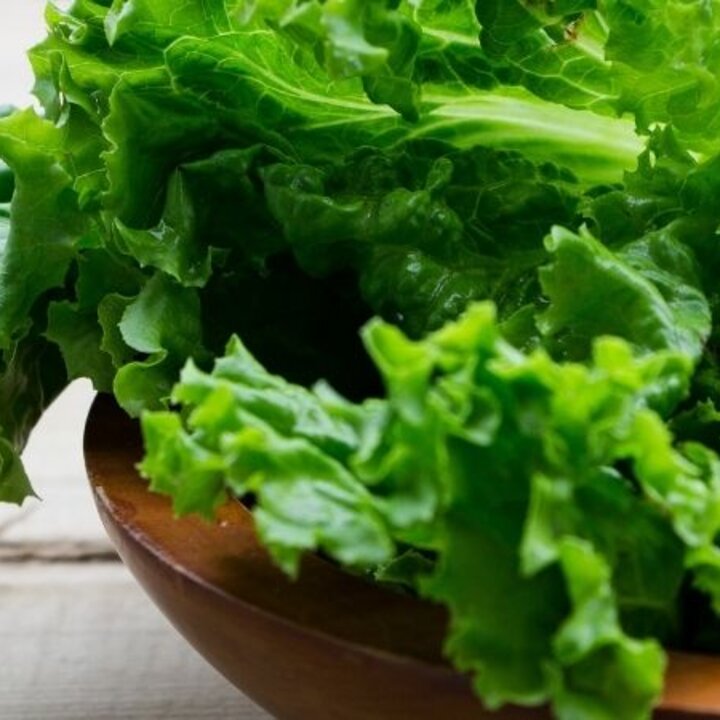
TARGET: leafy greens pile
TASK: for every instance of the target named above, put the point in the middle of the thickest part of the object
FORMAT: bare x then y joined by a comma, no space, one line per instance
465,256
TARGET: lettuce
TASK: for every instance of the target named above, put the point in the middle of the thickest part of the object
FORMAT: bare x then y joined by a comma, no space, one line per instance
466,254
554,562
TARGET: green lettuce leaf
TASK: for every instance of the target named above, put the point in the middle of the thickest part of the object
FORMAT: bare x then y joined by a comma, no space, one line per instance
648,293
428,229
32,374
256,433
280,171
563,518
45,222
163,324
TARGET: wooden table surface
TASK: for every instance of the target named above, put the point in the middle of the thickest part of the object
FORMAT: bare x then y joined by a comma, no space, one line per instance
79,639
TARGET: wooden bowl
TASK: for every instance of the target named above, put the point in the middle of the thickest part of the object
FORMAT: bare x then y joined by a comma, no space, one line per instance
328,646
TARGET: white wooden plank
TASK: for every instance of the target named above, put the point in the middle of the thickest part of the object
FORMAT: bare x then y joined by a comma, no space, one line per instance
81,641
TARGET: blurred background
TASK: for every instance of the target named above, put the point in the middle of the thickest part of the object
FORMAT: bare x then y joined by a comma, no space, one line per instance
20,27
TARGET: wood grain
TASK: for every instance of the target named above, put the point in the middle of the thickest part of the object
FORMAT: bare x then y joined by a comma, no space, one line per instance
82,641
